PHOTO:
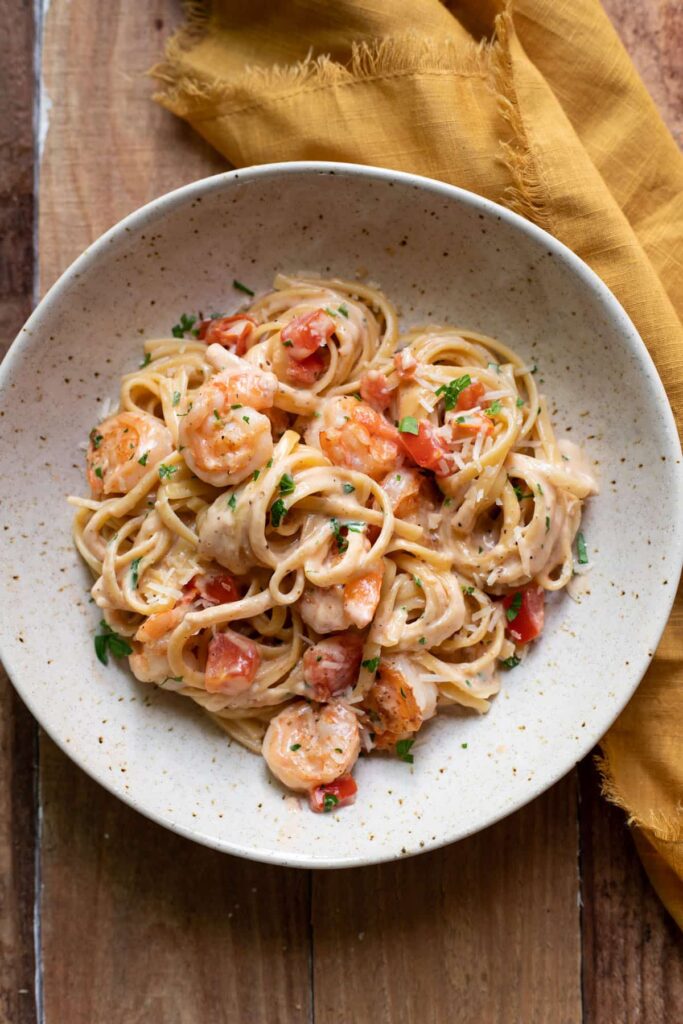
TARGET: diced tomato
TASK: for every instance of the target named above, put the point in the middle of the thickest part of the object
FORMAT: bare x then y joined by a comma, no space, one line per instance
426,449
231,332
334,795
307,333
333,664
405,363
470,396
375,390
231,664
475,423
306,371
527,624
218,589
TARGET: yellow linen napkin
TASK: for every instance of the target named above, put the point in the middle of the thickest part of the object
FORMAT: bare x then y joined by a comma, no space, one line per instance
534,104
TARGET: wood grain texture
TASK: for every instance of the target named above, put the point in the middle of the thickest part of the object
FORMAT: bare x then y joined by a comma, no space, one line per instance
652,32
17,728
632,949
143,927
486,930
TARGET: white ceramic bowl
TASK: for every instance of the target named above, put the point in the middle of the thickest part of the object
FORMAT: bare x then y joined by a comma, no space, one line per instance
443,255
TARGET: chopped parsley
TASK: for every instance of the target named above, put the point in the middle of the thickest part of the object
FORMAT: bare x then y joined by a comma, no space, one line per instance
288,344
409,425
520,403
269,463
246,419
278,512
348,488
256,474
417,581
494,408
110,642
357,395
512,662
295,746
166,472
464,746
287,485
96,439
451,392
539,488
330,801
185,324
216,415
344,311
513,611
521,496
468,590
143,459
146,361
342,542
98,472
134,572
581,549
422,640
372,664
403,751
547,523
176,398
232,502
534,368
242,288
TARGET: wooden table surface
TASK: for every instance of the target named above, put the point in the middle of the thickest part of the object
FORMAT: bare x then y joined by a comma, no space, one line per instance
105,918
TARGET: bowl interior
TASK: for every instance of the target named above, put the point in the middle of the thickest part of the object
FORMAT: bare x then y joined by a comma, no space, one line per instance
441,255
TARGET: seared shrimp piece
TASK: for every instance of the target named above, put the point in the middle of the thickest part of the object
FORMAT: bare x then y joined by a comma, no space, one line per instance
361,596
149,663
223,434
375,390
396,708
352,434
332,665
307,746
322,608
122,449
403,490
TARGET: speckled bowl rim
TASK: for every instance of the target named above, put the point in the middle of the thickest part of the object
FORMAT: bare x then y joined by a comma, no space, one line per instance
601,721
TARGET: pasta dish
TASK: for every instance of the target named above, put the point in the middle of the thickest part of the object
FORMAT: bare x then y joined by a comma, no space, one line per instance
323,530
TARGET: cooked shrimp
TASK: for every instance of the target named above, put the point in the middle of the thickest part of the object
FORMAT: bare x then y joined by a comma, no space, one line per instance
352,434
232,332
361,596
375,390
396,708
332,665
307,746
231,664
322,608
149,663
403,490
223,434
122,449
